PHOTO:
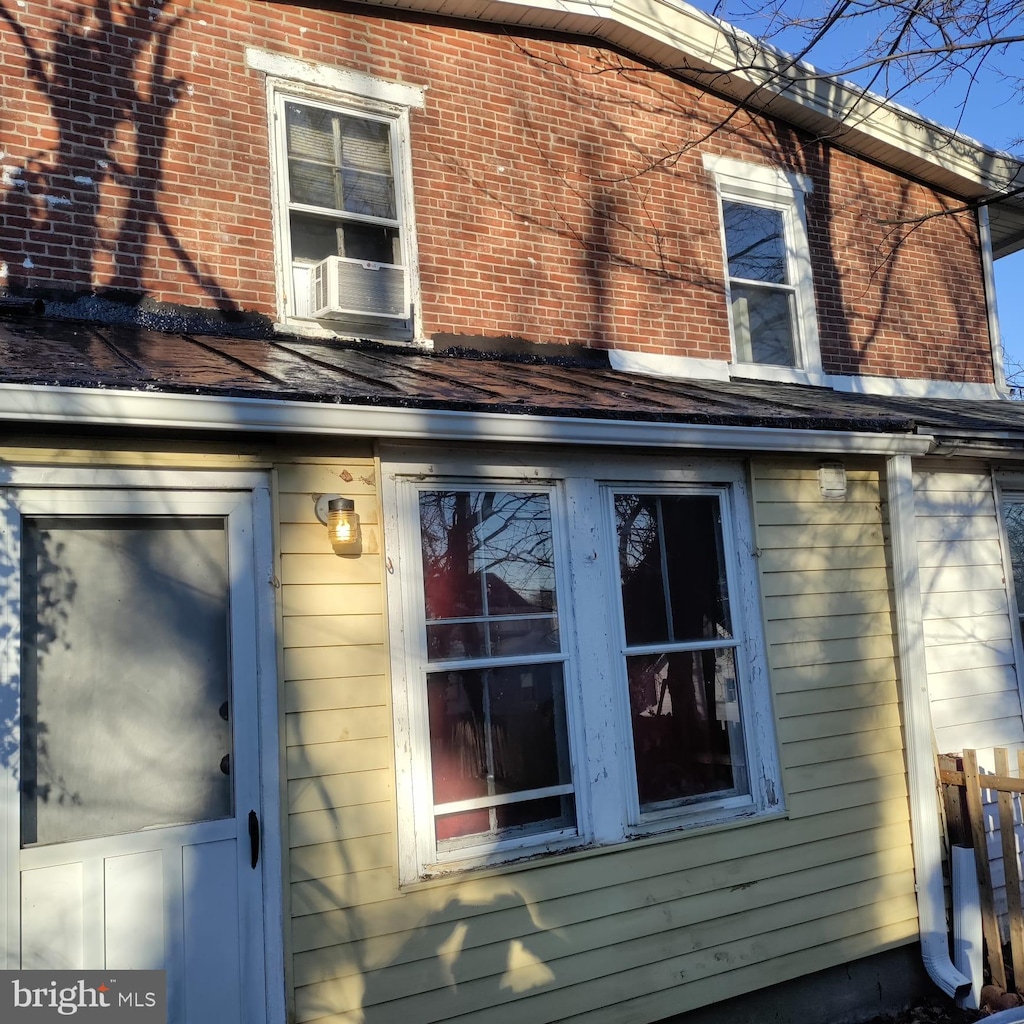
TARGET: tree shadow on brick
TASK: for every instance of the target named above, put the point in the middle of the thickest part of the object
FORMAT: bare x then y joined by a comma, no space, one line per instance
83,217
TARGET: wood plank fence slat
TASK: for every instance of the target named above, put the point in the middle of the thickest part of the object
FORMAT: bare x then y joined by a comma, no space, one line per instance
989,923
1011,867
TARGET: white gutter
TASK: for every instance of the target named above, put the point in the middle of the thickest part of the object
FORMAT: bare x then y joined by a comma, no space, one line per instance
98,407
917,722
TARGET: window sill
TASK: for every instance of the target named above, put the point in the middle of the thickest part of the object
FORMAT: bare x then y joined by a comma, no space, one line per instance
641,836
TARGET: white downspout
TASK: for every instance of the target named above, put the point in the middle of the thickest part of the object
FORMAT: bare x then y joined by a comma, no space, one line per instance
988,277
917,721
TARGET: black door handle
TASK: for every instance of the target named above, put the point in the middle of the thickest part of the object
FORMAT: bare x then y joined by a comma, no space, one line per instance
254,837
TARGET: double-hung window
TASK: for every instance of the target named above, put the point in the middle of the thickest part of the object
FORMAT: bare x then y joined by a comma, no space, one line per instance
576,659
340,153
768,272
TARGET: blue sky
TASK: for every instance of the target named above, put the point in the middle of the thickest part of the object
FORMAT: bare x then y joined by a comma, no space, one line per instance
988,109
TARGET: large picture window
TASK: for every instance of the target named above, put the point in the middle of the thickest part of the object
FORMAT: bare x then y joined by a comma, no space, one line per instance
577,660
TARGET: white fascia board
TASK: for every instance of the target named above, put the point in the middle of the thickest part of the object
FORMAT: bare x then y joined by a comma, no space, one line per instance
96,407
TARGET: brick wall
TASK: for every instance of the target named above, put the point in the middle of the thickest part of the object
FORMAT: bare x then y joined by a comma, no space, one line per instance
559,188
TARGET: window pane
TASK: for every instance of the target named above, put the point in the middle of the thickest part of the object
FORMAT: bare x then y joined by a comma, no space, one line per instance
495,732
486,554
500,639
339,162
687,740
1013,512
756,242
763,320
125,676
313,184
671,568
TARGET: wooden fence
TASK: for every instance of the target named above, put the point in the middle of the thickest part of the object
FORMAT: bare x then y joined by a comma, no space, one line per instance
965,825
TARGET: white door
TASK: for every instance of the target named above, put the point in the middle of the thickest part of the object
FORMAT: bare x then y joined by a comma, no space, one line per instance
131,747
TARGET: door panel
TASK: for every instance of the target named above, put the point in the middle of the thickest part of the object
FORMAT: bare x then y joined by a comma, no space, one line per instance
139,759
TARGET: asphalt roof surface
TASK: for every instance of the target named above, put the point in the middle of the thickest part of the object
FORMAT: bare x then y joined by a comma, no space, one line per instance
38,352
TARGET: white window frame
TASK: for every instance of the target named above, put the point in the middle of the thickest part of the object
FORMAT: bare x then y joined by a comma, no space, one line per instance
590,618
784,191
358,95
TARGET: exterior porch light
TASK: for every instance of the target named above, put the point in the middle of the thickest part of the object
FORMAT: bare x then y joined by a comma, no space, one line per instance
339,515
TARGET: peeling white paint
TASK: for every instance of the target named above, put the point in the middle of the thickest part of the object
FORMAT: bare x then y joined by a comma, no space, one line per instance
190,89
3,271
83,179
102,164
28,264
11,176
54,201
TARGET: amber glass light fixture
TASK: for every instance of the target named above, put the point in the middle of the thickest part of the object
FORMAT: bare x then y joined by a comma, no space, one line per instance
342,522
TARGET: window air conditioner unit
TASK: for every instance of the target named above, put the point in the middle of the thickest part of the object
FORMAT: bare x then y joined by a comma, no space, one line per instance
342,288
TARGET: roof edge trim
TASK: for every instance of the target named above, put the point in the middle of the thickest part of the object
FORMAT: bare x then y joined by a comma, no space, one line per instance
97,407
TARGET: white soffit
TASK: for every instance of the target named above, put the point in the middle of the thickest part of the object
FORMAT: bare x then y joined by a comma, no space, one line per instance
697,47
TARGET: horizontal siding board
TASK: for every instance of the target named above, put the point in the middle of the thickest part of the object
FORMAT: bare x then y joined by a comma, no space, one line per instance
965,554
946,503
300,508
810,513
835,698
780,582
984,707
327,567
953,657
821,751
851,769
324,860
829,627
826,536
306,761
811,559
827,652
807,489
334,630
335,726
970,682
336,892
848,722
327,791
967,630
955,604
816,606
928,481
800,678
309,828
334,662
956,527
355,476
848,794
342,598
330,694
972,735
951,579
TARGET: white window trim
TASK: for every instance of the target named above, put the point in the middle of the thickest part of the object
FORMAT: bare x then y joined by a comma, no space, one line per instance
598,715
784,191
354,93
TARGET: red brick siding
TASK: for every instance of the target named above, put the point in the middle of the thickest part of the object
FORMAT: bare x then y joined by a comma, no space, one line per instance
560,193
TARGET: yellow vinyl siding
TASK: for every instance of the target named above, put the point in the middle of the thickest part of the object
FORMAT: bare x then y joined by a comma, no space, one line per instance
668,923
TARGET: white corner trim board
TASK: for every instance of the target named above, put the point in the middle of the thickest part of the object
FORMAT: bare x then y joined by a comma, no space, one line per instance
73,406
